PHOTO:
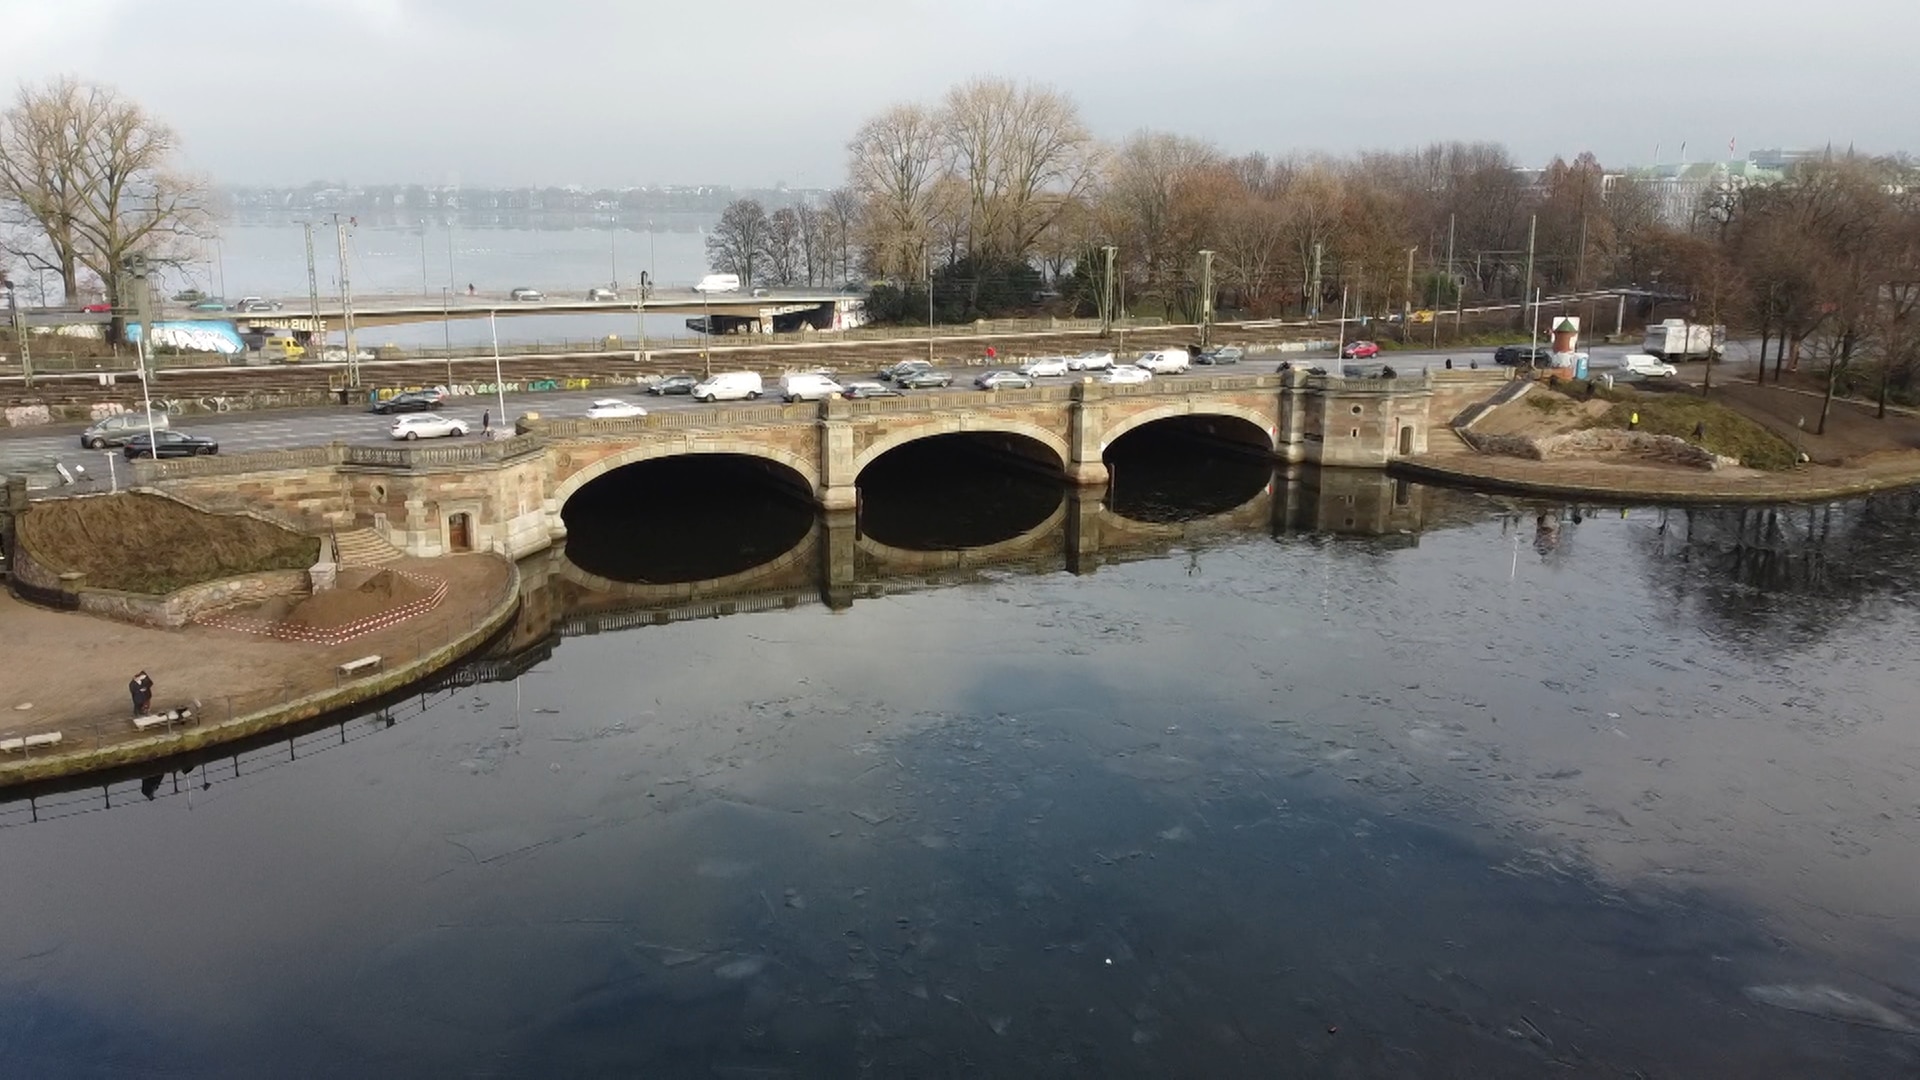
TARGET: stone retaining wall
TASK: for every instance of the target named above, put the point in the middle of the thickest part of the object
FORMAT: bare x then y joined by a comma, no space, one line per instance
1581,444
182,606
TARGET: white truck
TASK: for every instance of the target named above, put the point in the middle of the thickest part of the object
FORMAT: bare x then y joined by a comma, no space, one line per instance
1678,339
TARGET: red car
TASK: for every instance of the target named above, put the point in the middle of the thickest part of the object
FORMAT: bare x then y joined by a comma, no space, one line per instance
1359,350
101,308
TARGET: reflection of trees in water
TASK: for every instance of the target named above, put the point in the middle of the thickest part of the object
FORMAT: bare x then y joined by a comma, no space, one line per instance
1801,571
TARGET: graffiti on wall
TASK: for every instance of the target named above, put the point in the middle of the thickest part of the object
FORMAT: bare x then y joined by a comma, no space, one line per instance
481,389
213,337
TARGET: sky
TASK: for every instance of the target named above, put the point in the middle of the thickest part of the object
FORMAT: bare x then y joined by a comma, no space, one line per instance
752,93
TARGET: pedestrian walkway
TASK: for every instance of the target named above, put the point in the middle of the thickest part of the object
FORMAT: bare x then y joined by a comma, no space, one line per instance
1621,477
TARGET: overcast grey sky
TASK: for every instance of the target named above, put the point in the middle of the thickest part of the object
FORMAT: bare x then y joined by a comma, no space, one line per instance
753,92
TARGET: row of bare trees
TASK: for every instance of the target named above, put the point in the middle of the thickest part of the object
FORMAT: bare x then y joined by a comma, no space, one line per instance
89,179
805,244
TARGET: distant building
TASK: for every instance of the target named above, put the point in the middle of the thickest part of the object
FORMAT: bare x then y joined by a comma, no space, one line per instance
1682,191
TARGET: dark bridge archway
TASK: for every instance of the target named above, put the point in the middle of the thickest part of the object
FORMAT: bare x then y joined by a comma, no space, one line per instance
687,517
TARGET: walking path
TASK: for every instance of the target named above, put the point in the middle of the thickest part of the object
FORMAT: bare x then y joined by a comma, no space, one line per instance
1626,478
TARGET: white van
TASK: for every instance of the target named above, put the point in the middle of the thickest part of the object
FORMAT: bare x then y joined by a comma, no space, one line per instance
1165,361
719,283
810,386
728,386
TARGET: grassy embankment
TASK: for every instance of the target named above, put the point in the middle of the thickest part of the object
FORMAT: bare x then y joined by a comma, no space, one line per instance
146,544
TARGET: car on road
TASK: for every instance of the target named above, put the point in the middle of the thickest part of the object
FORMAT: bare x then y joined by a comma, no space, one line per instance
1123,374
602,294
526,295
807,386
1359,350
1220,354
170,444
855,391
906,367
1164,361
728,386
1519,355
255,303
284,347
672,384
614,409
1651,367
116,430
209,305
1003,380
923,380
718,283
98,307
428,426
1042,367
1091,360
339,356
412,401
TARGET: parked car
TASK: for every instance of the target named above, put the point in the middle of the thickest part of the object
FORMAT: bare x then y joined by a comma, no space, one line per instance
1126,373
427,426
116,430
614,409
602,294
169,444
1520,355
526,295
255,303
1164,361
1003,380
923,380
412,401
673,384
859,390
728,386
1648,366
1043,367
1359,350
339,356
1220,354
98,307
209,305
807,387
906,367
1092,360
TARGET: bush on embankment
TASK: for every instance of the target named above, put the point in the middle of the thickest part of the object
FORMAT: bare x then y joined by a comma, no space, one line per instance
146,544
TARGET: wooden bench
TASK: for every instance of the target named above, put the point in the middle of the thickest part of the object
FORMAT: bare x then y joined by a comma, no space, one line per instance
365,663
167,718
29,742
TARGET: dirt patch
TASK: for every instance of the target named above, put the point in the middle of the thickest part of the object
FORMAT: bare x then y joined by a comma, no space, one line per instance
1853,432
382,591
146,544
1539,413
1720,429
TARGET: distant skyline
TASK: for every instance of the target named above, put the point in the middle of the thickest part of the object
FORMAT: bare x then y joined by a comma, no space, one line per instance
751,94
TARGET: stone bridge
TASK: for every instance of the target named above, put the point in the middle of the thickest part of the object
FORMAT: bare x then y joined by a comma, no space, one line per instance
510,495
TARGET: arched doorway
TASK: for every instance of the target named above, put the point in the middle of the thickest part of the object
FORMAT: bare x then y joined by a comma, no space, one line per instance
460,532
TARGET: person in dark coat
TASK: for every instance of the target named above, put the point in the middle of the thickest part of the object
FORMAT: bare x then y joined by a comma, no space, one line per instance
141,687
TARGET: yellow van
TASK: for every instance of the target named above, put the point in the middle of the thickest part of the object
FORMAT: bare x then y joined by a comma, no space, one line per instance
285,348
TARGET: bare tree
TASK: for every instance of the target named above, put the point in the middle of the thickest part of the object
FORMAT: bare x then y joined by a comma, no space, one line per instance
782,247
842,215
1019,150
94,173
813,243
893,163
1141,202
738,243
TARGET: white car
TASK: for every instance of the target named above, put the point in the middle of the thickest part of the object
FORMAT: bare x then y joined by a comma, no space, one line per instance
1045,366
1094,360
427,425
602,294
614,409
339,356
1165,361
526,295
1127,373
1648,366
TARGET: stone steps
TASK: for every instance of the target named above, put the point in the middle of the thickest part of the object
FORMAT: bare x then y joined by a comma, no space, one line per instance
363,547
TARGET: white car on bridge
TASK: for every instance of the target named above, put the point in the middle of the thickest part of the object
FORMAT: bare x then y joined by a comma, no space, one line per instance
1123,374
1092,360
427,425
1041,367
1165,361
614,409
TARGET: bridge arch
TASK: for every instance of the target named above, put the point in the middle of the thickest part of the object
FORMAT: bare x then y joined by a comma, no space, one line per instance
654,451
1266,423
967,425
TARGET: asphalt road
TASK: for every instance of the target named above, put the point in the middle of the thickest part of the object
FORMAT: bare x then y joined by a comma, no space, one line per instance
35,451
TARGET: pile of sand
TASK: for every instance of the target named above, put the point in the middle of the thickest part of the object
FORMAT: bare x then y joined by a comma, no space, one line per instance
383,591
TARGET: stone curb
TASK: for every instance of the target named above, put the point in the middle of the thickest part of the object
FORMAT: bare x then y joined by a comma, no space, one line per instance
1651,493
149,748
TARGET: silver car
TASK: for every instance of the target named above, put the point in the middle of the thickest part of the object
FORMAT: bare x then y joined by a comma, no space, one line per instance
116,430
427,425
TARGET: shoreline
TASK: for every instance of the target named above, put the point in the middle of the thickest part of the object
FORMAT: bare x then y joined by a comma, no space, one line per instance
142,749
1611,482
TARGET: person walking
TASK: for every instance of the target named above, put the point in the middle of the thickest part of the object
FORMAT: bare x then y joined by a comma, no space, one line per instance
486,421
1633,420
141,688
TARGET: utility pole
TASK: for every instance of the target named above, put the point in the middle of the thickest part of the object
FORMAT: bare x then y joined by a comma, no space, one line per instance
1313,289
314,335
1406,296
1106,292
929,268
1452,284
1342,346
706,334
1206,299
346,305
19,329
423,258
143,302
1526,287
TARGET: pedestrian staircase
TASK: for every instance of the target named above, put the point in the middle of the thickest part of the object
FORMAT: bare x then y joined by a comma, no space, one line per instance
363,547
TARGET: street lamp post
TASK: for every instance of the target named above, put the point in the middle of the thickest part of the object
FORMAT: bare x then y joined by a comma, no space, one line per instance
423,258
706,335
446,332
929,265
640,317
499,387
613,252
143,300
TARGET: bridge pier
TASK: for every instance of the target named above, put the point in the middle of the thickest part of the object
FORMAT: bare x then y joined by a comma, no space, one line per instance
1088,420
839,467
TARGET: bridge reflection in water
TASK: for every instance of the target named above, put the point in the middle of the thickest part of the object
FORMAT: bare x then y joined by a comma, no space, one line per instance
830,559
